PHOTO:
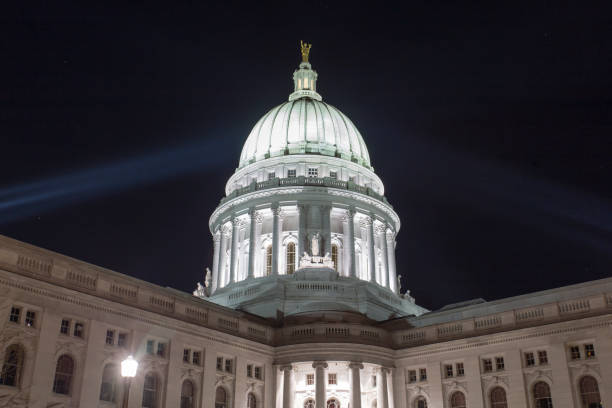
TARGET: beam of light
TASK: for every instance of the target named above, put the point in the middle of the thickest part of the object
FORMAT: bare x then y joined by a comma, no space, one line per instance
24,200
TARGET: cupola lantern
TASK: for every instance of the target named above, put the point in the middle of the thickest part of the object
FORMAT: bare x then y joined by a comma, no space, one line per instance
305,78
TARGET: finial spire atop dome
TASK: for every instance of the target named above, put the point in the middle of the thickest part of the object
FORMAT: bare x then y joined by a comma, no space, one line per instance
305,78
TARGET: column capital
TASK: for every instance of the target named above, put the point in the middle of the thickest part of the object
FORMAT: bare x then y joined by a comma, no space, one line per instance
350,212
217,235
383,370
287,367
355,365
366,221
226,230
319,364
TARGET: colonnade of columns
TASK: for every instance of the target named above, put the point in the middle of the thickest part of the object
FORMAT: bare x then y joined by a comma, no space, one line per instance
312,218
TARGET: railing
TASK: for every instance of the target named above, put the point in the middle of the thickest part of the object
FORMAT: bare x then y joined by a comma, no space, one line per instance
304,181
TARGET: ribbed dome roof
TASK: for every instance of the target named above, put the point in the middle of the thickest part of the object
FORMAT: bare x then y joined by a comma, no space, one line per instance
304,126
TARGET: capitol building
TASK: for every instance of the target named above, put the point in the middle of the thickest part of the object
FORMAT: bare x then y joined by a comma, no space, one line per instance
301,308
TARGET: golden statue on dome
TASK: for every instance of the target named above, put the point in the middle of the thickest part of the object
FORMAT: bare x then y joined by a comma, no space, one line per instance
305,50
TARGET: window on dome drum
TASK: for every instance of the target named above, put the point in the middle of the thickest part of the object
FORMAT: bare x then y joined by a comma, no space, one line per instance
291,173
334,256
187,394
108,388
271,175
423,374
79,329
529,359
498,398
290,258
448,370
309,403
313,172
541,395
352,179
220,398
543,357
15,314
269,260
150,391
420,402
64,370
499,363
412,376
12,366
333,403
110,337
589,392
30,318
309,379
251,400
332,379
457,400
589,351
487,365
575,352
333,175
460,370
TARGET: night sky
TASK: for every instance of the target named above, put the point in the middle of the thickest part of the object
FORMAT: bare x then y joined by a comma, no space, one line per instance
490,127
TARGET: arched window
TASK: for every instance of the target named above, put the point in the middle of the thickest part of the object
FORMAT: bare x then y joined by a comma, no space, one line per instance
187,394
150,391
108,389
290,258
269,260
333,403
589,392
420,402
12,366
251,401
64,370
498,398
541,395
309,403
457,400
334,256
220,398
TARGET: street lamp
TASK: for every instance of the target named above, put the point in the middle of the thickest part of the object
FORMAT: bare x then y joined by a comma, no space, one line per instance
129,366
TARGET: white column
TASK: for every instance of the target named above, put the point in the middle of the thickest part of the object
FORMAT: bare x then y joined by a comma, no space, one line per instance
253,239
302,210
385,275
277,227
369,222
390,243
355,385
320,383
326,224
222,257
382,392
234,253
350,241
287,395
215,271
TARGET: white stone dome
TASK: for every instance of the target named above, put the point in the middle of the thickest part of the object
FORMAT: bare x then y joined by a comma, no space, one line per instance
305,125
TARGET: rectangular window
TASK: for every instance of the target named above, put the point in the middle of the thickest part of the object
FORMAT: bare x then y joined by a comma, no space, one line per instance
122,340
313,172
332,379
161,349
499,363
589,351
150,346
196,358
271,175
78,330
15,314
220,363
291,173
448,370
352,179
529,359
543,357
258,373
110,337
249,370
65,327
423,374
412,376
309,379
487,365
228,366
460,370
575,353
186,353
333,174
30,318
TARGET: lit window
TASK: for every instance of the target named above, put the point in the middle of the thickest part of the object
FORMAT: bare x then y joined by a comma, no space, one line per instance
186,355
333,174
271,175
220,363
331,379
291,173
269,260
448,369
460,370
161,349
110,337
228,366
249,370
499,363
543,357
122,340
15,314
412,376
65,327
487,365
313,172
423,374
258,373
78,330
290,258
334,256
529,359
589,351
30,318
196,358
309,379
305,83
299,84
575,352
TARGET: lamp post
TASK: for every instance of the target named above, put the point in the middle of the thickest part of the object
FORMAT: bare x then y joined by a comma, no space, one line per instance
129,366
